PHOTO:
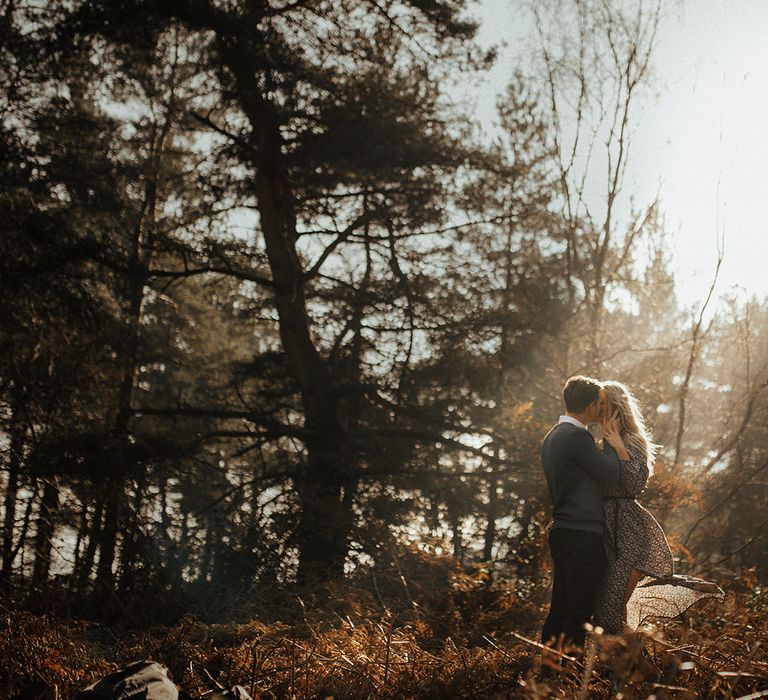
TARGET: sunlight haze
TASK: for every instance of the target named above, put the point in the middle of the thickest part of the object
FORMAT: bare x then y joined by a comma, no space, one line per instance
699,141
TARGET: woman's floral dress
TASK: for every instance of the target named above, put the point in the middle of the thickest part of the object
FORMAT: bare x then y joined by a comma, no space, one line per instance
634,540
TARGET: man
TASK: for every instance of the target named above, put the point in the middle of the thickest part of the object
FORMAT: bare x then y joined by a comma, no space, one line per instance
576,470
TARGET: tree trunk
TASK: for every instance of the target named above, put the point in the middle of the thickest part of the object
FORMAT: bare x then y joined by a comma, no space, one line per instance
172,557
85,563
182,558
81,533
456,541
20,543
107,538
324,486
491,514
207,560
504,365
11,495
49,504
131,540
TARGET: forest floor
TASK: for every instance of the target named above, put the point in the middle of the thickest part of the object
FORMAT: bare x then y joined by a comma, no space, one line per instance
448,636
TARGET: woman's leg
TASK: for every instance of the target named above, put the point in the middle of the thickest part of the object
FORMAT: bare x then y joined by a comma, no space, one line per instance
633,579
610,608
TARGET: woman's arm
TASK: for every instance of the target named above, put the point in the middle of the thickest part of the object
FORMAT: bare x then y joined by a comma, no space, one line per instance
634,475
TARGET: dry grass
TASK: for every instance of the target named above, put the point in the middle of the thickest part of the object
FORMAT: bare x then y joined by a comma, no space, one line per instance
472,641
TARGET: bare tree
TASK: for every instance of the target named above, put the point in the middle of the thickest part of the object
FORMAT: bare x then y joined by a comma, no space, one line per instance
596,61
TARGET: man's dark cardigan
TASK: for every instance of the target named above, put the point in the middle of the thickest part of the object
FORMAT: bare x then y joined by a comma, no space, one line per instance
576,470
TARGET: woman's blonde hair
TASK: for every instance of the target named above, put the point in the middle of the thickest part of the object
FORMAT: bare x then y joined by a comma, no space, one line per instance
631,424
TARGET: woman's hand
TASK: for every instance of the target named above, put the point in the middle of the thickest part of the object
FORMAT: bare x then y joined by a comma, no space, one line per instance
600,443
612,436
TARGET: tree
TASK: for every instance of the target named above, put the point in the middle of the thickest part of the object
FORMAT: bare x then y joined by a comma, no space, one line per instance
596,60
295,106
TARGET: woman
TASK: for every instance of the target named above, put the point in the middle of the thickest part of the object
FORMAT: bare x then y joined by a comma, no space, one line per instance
636,545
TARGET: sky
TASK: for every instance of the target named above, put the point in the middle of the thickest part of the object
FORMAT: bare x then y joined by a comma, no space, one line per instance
700,142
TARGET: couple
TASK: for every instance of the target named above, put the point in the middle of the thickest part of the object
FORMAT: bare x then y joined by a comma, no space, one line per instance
603,542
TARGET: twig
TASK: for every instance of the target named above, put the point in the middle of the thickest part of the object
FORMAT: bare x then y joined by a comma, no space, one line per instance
386,658
544,647
754,696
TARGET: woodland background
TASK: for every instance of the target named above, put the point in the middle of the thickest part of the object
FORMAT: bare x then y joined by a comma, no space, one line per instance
282,329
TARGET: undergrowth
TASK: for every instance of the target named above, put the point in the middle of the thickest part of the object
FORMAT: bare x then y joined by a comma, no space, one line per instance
426,629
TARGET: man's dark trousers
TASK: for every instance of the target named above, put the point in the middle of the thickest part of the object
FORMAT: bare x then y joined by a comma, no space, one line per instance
578,572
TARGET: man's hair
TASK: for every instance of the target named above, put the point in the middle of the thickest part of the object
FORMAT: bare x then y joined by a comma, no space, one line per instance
579,392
